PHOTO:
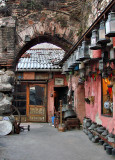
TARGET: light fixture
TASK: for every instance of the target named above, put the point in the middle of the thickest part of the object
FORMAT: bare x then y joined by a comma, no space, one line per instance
110,25
103,40
81,65
101,65
112,54
96,54
88,70
65,68
78,53
76,68
94,39
84,51
82,73
69,62
74,62
27,38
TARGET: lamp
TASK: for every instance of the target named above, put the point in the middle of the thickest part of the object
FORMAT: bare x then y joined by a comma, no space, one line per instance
94,39
78,53
70,63
81,65
82,73
110,25
74,62
101,65
84,51
88,70
112,54
103,40
65,68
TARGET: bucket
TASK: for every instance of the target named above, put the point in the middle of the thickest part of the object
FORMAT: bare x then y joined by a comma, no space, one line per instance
53,120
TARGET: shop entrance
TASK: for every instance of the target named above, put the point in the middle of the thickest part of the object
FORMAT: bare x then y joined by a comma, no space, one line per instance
60,93
36,103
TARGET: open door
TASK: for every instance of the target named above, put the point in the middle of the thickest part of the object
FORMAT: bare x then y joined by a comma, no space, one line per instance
36,103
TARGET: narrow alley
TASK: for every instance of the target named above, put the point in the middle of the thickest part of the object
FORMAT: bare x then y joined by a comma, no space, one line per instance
46,142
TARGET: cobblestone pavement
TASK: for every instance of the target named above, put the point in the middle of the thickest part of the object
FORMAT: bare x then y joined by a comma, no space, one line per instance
44,142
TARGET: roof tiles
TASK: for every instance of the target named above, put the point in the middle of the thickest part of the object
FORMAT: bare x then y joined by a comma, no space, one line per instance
40,59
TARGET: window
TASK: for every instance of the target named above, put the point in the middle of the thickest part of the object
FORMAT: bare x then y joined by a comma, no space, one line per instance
36,95
107,98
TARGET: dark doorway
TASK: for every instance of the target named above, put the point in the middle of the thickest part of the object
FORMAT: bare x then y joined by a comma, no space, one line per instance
60,93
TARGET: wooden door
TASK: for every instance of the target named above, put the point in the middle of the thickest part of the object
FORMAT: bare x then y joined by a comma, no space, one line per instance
36,103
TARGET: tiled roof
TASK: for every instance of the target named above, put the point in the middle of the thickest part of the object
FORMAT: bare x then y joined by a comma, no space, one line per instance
40,59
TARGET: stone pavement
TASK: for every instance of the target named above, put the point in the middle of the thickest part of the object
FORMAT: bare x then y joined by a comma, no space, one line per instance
44,142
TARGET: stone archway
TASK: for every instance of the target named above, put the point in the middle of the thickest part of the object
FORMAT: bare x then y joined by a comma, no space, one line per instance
57,22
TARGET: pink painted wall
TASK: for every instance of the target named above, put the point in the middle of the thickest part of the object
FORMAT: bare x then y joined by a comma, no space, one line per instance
79,95
93,111
50,103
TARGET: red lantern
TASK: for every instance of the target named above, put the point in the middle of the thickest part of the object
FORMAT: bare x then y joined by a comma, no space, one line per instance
97,53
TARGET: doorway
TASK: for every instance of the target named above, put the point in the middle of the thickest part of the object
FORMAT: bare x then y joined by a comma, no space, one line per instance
36,103
60,93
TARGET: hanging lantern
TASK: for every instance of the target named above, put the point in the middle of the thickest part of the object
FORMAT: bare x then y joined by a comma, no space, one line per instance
81,65
84,51
78,52
110,25
101,65
113,42
65,68
109,70
96,54
69,63
104,74
88,70
76,68
112,54
82,73
94,40
74,62
27,38
102,38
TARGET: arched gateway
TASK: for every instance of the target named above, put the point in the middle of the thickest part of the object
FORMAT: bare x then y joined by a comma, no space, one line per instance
24,24
39,21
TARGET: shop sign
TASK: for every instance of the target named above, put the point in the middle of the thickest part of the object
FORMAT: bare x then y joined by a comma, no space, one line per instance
59,81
